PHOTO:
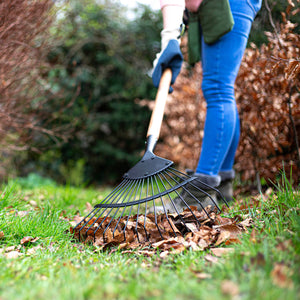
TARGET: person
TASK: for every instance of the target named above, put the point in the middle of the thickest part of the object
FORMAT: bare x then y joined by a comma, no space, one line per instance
220,63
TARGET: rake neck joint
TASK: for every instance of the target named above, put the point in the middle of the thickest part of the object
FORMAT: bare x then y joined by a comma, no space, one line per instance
151,143
150,164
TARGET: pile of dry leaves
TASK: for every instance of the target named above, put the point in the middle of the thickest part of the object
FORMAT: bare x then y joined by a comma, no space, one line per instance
169,233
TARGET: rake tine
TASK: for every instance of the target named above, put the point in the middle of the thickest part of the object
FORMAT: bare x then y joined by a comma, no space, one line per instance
185,201
205,184
145,216
202,192
116,198
112,218
178,195
179,215
139,183
166,214
84,219
123,185
217,191
86,223
200,201
132,188
138,210
110,196
207,194
155,216
178,174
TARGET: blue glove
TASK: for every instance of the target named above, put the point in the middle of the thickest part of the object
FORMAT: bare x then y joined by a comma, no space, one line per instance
172,58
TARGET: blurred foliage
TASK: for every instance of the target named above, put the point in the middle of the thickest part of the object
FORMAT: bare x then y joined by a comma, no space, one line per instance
99,63
34,180
262,22
100,69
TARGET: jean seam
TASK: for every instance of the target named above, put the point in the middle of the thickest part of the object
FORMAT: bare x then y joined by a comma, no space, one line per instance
218,150
251,6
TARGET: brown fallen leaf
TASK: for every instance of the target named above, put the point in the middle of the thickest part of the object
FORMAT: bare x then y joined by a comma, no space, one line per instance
164,254
230,288
33,250
33,203
192,227
201,275
88,207
22,213
10,248
211,258
223,236
175,245
247,223
284,246
259,259
26,240
35,240
281,275
13,254
221,251
1,235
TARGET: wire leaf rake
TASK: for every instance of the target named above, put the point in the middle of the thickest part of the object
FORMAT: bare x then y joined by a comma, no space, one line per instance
138,208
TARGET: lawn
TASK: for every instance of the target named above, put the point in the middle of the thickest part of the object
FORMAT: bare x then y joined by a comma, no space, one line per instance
40,260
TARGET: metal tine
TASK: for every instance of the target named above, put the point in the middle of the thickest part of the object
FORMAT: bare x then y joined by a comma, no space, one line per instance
124,188
184,188
205,184
197,199
99,208
179,174
207,194
120,196
163,201
163,174
145,215
136,191
138,210
119,187
84,219
155,216
216,190
131,189
123,184
86,223
178,194
128,189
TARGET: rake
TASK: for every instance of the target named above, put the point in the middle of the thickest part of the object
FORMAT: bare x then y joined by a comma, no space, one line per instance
146,192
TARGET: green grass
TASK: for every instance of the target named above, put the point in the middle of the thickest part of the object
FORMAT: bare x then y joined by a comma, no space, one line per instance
63,269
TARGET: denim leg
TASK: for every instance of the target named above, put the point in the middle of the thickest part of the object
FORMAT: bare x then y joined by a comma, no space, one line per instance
228,161
221,62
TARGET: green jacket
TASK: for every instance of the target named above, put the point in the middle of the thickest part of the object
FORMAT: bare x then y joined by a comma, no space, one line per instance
213,20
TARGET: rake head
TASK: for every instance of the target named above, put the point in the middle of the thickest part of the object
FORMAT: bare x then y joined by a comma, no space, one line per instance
148,205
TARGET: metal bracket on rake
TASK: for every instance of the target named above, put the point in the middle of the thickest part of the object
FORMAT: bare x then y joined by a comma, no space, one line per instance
149,165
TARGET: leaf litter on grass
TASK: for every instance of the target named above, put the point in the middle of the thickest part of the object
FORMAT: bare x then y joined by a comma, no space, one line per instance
206,233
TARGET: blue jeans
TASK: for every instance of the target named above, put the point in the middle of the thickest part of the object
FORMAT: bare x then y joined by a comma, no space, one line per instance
221,62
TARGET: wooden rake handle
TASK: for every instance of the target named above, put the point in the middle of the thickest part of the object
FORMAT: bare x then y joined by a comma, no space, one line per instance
160,102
